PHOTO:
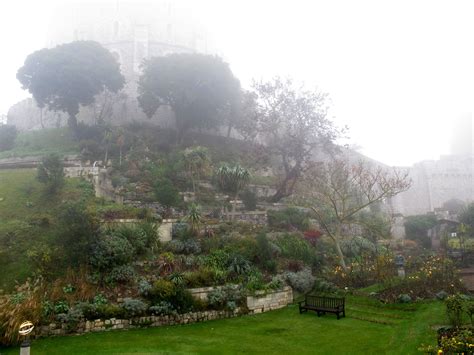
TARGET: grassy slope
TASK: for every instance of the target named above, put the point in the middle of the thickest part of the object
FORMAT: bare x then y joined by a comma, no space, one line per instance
17,188
42,143
282,331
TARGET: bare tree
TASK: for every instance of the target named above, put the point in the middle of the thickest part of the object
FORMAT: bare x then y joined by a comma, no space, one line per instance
292,124
338,192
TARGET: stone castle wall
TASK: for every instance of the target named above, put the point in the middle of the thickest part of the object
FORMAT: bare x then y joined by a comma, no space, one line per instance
434,183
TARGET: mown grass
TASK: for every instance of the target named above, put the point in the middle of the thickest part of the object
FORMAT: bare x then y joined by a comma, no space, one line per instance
43,142
386,330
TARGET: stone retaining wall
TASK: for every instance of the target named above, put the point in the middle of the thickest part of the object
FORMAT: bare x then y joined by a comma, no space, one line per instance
100,325
261,302
264,302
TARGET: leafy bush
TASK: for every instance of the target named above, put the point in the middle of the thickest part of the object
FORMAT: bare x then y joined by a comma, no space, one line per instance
104,311
77,232
416,228
110,251
135,236
121,274
265,253
166,291
204,276
51,172
301,281
166,193
162,290
293,246
291,218
134,307
238,265
455,309
72,318
255,282
163,309
442,295
227,297
184,246
144,287
404,298
8,134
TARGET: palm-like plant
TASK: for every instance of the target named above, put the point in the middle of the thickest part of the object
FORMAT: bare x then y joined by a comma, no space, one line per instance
194,217
232,180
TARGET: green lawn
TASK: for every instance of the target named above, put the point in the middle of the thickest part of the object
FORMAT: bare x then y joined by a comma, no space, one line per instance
399,331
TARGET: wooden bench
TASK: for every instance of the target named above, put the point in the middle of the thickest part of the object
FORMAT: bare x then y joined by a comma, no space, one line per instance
323,305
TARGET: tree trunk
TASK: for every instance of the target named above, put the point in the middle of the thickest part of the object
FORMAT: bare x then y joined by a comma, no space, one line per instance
41,118
340,254
72,122
106,156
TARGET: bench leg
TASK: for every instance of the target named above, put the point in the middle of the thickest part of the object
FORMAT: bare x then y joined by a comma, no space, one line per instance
319,313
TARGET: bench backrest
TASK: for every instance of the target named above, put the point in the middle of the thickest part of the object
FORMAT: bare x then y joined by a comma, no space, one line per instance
324,302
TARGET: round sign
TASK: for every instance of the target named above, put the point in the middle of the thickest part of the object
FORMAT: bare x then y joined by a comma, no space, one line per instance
26,328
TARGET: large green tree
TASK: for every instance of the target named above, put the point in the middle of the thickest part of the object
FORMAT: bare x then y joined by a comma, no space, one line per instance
199,88
70,75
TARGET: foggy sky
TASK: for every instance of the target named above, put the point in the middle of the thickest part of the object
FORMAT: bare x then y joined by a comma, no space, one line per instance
398,72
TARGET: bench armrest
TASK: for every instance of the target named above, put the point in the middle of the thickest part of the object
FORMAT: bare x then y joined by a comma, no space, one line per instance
301,302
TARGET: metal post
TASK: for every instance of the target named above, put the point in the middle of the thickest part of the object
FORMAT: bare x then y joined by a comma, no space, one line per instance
25,347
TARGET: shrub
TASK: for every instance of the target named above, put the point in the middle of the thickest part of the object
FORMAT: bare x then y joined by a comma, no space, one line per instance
135,236
110,251
163,309
301,281
144,287
255,282
162,289
291,218
442,295
404,298
293,246
166,193
324,286
77,232
278,281
238,265
105,311
184,246
71,318
134,307
8,134
202,277
51,172
121,274
227,297
455,309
